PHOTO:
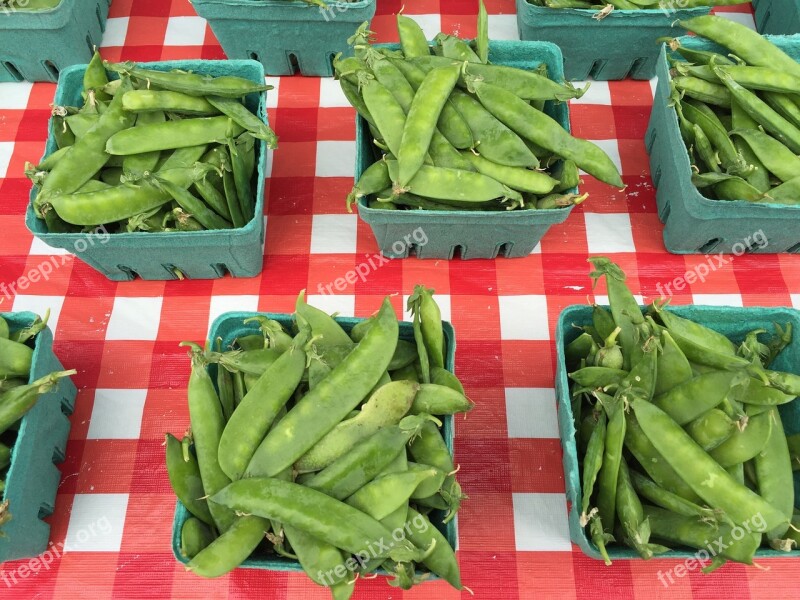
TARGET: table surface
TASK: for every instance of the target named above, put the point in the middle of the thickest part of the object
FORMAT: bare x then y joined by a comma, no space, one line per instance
113,515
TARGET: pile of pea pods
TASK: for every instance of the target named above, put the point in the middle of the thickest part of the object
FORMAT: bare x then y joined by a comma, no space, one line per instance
739,114
678,432
633,4
151,151
322,446
17,395
459,133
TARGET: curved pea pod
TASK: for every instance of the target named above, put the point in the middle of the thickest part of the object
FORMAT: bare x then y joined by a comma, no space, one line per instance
493,139
528,85
452,184
431,484
688,401
786,193
322,324
258,409
692,532
241,115
195,537
442,561
372,181
443,377
608,475
600,538
635,528
654,464
384,495
673,366
365,460
319,559
121,202
745,443
773,466
318,412
208,422
388,114
242,155
230,549
422,302
315,513
144,101
249,362
439,400
651,491
455,48
697,468
760,394
598,377
17,401
745,43
184,476
87,155
592,463
193,84
523,180
776,157
545,131
773,122
710,429
408,373
15,358
412,38
707,120
429,448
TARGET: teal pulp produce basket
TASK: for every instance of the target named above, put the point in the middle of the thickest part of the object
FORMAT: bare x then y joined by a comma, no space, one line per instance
230,326
36,45
733,322
621,44
287,36
468,234
694,224
207,254
777,17
32,478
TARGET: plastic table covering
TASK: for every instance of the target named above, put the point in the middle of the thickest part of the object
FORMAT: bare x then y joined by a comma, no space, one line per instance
112,523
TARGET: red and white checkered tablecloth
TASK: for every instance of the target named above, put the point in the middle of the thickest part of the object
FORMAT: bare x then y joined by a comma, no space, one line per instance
113,516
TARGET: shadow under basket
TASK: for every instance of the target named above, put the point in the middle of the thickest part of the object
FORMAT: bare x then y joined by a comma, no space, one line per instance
207,254
32,478
694,224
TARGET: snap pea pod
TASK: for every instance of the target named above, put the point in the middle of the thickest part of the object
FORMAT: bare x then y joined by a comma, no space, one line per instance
192,84
173,134
15,358
192,205
711,428
231,548
239,113
412,38
144,101
635,527
651,491
16,402
688,401
442,561
331,400
592,463
385,494
195,537
184,476
607,478
697,468
317,557
773,466
315,513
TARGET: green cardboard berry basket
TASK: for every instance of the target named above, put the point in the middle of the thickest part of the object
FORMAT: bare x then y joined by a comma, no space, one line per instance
207,254
32,478
38,45
468,234
694,224
777,17
733,322
287,36
623,44
230,326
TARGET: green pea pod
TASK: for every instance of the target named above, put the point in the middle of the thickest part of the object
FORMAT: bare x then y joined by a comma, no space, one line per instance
246,119
230,549
15,358
250,362
711,429
193,84
608,476
87,155
322,325
760,394
172,134
242,175
600,538
523,180
195,537
439,400
696,467
650,490
138,164
440,376
16,402
384,495
546,132
429,448
688,401
144,101
373,180
317,514
257,411
746,443
692,532
442,561
387,113
5,456
231,193
365,460
95,77
598,377
208,422
184,476
673,366
422,350
774,155
412,38
327,404
191,204
482,40
420,123
773,466
454,48
592,463
62,133
225,387
635,527
422,300
318,559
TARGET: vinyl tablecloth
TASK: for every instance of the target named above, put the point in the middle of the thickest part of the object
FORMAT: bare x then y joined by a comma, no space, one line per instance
113,516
